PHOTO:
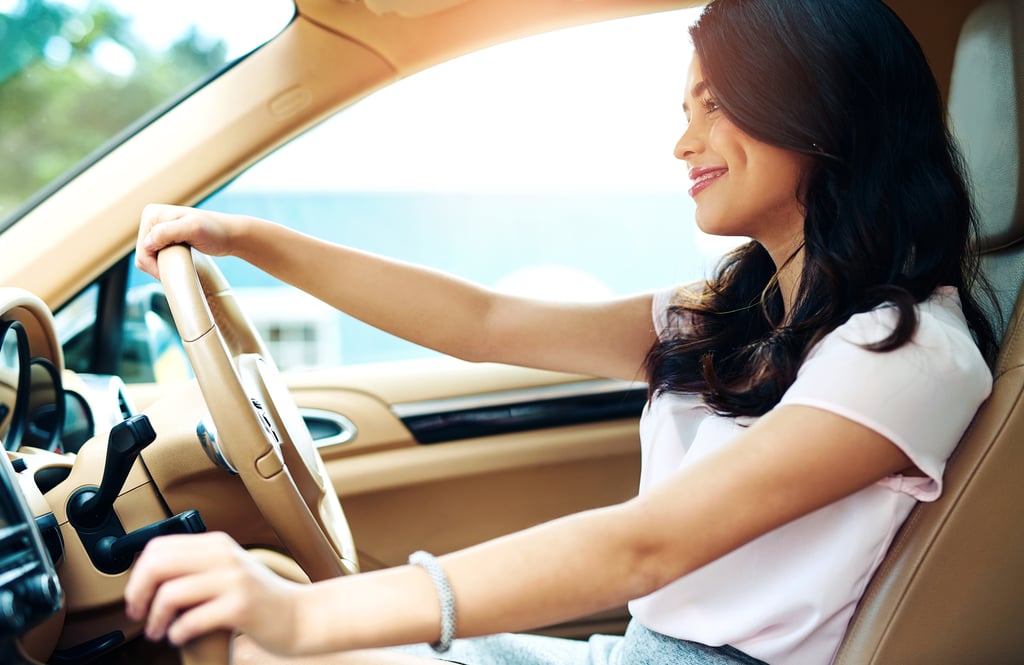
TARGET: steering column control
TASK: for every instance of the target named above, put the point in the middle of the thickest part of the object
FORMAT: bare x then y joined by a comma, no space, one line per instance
114,554
91,509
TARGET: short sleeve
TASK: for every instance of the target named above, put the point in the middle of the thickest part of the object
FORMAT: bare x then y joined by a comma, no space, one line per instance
921,396
659,310
667,323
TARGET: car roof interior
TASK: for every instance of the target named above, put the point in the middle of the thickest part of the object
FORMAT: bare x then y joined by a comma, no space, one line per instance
950,589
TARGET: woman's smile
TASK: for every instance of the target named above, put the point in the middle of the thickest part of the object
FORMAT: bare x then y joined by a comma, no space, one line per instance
704,176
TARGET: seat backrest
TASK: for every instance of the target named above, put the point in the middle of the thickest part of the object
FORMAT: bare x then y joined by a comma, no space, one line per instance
951,589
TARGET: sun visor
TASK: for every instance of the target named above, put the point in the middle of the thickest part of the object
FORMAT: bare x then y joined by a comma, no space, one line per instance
985,116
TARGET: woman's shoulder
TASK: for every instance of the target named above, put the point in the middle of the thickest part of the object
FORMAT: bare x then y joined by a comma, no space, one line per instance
920,395
939,312
941,338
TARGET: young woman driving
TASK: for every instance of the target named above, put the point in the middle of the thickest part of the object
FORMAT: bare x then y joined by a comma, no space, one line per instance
802,399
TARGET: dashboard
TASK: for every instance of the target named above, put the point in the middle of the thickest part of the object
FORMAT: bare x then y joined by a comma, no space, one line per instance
48,419
82,492
30,592
42,425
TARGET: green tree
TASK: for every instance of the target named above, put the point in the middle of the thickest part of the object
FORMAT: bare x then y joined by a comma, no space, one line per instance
59,104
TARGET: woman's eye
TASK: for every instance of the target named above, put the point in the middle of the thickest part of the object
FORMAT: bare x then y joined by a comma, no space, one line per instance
710,104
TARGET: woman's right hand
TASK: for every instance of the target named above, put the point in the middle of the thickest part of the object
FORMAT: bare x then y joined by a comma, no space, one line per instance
186,586
209,232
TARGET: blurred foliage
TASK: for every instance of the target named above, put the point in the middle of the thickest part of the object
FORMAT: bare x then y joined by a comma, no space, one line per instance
60,100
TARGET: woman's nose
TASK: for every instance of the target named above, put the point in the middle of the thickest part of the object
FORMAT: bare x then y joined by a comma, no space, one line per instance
687,145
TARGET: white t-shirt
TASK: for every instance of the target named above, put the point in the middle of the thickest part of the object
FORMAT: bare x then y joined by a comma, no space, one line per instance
788,596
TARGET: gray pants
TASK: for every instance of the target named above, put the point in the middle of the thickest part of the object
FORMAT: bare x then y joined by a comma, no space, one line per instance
639,646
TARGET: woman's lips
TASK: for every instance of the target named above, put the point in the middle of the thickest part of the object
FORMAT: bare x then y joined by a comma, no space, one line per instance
703,178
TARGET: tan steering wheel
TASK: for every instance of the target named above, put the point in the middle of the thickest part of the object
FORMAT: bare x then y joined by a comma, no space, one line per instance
259,429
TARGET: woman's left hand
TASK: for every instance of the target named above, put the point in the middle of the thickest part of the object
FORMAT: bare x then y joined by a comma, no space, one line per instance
192,585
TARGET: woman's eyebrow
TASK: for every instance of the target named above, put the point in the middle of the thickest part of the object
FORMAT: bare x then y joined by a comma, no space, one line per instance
698,90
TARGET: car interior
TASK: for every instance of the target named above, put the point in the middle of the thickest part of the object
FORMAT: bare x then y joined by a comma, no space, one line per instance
342,469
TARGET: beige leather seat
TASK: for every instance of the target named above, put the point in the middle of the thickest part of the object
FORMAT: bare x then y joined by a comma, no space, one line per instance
951,590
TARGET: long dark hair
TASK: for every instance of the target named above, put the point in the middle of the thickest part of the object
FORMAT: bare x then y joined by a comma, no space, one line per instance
887,215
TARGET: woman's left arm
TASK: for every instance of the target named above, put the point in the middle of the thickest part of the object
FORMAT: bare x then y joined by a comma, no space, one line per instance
793,461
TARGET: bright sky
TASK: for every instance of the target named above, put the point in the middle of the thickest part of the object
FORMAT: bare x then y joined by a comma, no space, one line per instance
595,107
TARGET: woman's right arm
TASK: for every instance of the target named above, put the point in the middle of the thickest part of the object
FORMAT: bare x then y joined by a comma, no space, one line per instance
425,306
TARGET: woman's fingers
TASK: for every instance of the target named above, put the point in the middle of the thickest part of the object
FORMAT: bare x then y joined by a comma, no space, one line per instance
163,225
189,606
171,557
145,248
187,586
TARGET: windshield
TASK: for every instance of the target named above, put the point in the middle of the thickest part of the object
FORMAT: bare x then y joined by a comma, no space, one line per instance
77,76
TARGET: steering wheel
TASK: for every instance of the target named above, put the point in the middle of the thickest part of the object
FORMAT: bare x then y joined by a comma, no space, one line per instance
259,429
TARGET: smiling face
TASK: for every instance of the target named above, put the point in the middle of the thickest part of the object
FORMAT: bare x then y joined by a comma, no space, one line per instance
742,186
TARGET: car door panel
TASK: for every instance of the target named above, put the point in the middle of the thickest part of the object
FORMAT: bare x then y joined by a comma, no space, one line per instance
400,495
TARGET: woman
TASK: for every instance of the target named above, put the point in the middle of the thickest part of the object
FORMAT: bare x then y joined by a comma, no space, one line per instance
799,400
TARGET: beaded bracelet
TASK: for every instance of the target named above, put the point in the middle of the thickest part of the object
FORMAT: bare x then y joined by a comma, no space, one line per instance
429,563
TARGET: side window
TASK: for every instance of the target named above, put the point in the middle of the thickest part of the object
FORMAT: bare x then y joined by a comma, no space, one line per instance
74,76
77,329
543,167
121,325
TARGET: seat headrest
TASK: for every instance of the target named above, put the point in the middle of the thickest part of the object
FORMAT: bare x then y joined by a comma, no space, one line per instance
985,116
